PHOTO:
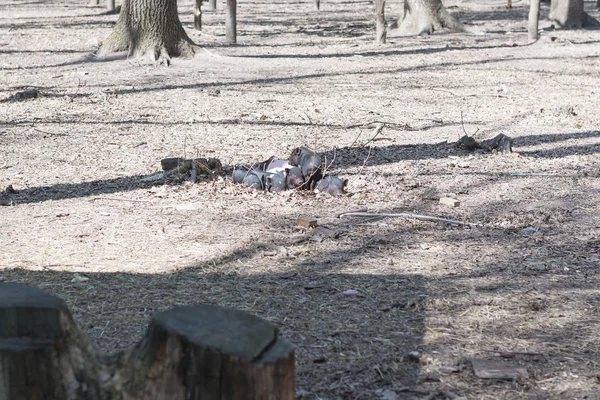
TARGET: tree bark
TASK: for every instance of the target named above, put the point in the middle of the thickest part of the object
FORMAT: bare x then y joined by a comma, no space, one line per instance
380,28
426,16
110,5
43,355
534,17
318,4
212,5
198,15
187,353
94,2
230,22
149,27
569,14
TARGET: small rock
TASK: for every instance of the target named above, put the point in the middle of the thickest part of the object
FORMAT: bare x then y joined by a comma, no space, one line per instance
350,293
79,278
529,230
413,356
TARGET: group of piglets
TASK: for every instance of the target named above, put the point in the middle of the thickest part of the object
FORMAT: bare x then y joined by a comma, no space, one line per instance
302,170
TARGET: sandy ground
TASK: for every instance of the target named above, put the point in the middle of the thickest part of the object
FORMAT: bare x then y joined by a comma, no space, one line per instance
521,287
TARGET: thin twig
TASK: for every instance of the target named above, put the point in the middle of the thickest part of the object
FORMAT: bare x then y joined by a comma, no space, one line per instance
48,133
407,215
356,139
378,130
332,160
462,124
109,198
535,174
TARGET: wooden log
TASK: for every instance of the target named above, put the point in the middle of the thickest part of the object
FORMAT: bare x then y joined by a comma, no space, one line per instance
193,352
231,22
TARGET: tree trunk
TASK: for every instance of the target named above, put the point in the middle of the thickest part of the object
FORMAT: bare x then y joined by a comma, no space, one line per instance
318,4
110,5
508,3
188,353
426,16
149,27
534,17
569,14
230,22
212,5
198,15
380,28
94,2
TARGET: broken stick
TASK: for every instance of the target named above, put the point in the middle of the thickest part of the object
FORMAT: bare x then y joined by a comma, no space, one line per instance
408,215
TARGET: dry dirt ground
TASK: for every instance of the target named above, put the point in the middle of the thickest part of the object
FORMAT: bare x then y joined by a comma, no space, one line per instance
523,287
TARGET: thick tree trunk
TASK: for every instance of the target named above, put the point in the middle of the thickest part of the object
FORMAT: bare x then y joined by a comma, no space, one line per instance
534,17
149,27
569,14
426,16
230,22
380,28
198,15
188,353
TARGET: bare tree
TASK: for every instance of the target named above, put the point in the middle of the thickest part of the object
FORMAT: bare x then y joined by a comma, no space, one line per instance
569,14
230,22
428,16
534,17
149,27
381,31
198,14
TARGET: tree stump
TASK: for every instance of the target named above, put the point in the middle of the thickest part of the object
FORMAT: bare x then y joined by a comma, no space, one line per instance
193,352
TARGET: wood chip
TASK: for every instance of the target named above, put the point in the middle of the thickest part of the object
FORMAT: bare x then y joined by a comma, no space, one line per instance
307,222
495,369
450,201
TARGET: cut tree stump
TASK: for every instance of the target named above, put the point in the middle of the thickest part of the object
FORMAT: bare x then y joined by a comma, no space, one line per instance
193,352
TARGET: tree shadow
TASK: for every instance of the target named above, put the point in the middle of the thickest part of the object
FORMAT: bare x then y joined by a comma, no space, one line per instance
62,191
346,346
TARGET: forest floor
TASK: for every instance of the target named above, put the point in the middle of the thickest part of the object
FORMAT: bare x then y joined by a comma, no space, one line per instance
521,288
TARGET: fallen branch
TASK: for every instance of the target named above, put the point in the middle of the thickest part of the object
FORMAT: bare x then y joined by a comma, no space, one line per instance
378,130
407,215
